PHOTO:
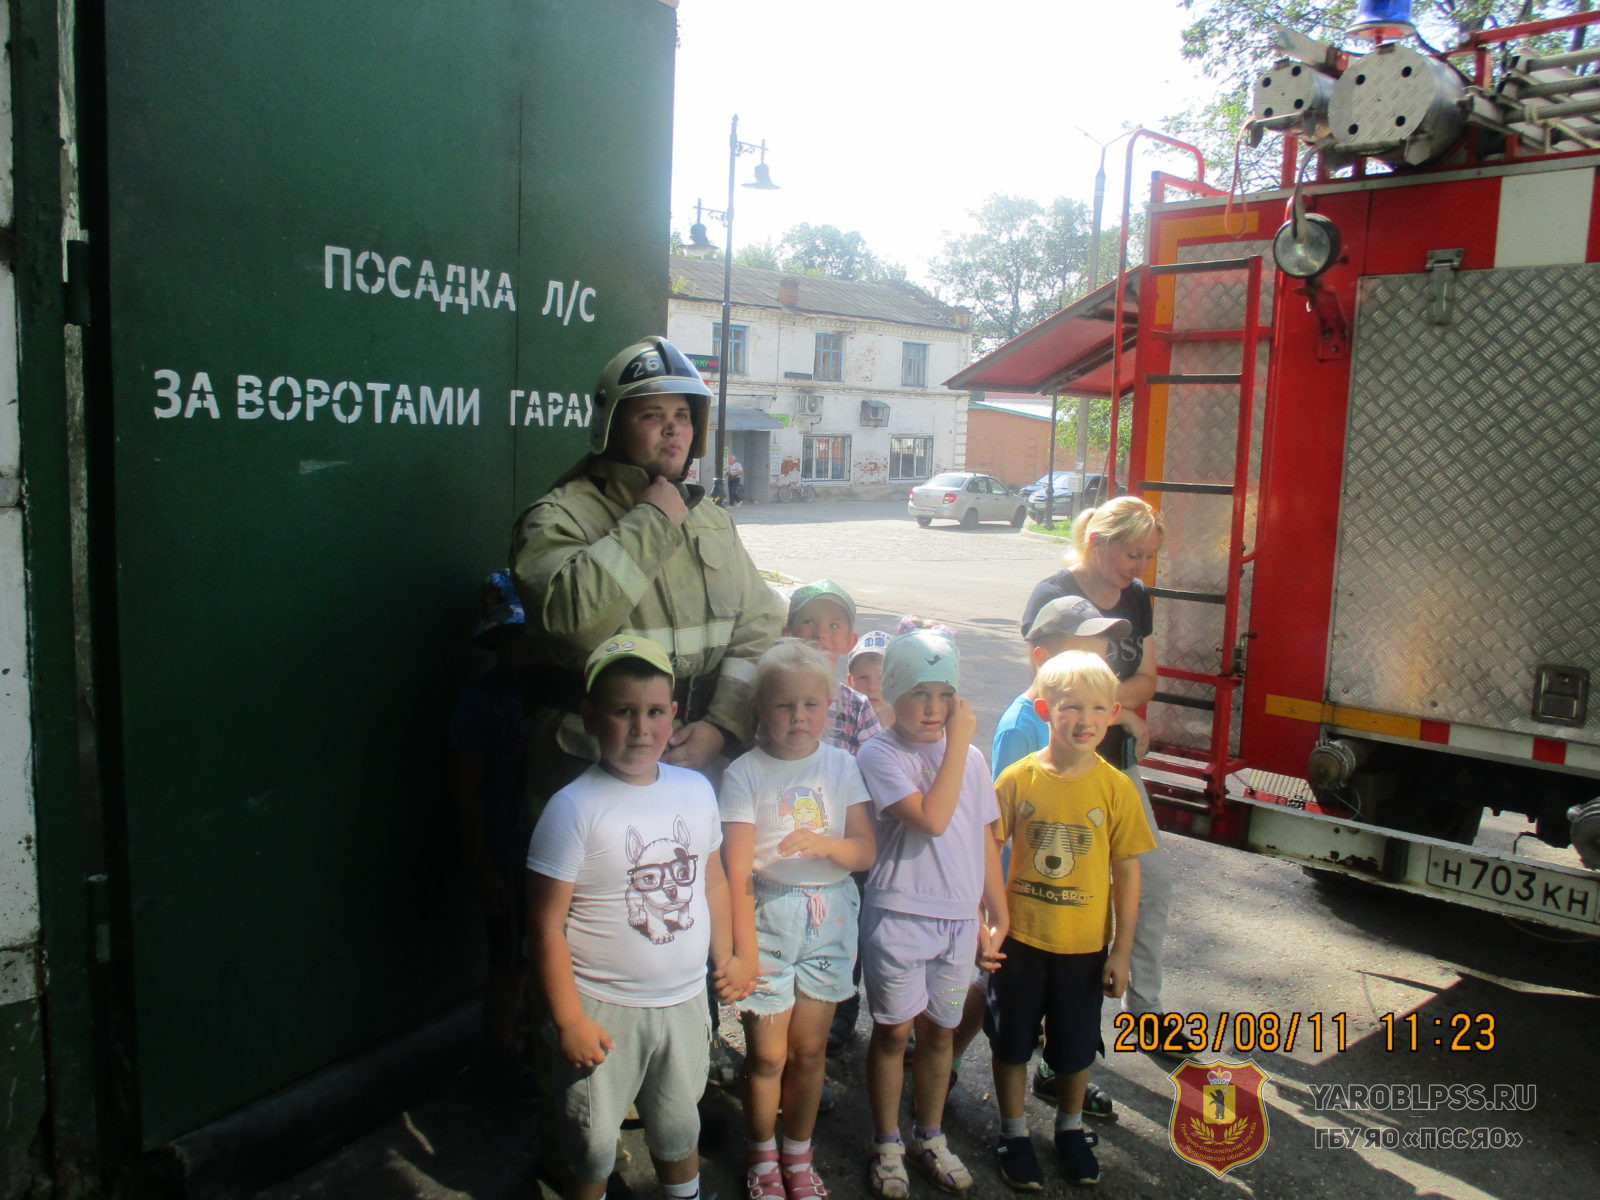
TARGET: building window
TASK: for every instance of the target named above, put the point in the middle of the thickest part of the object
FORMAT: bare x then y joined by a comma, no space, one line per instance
829,362
909,457
825,458
914,364
736,359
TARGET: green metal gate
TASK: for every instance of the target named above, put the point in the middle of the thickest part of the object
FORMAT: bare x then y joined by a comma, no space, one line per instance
364,262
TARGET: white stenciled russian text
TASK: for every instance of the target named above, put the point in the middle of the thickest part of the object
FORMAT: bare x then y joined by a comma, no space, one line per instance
463,288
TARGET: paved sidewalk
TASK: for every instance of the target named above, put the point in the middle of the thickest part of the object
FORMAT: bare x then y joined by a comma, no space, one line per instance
457,1144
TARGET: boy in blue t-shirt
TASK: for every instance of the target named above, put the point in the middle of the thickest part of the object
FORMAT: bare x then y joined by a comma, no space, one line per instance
1067,623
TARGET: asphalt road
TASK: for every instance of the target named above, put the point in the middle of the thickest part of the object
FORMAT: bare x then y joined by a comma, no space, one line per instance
974,580
1249,935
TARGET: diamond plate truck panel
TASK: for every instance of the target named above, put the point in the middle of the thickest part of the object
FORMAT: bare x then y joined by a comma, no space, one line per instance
1466,544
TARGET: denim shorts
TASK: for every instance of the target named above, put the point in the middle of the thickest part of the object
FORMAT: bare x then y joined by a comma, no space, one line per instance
807,938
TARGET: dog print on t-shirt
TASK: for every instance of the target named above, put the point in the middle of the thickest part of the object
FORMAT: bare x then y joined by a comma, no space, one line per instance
661,883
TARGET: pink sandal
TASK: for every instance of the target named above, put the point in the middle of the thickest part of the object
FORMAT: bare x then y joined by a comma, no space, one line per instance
800,1179
763,1179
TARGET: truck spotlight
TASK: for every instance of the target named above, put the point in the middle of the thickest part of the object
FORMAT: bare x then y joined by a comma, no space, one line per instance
1334,763
1306,245
1585,820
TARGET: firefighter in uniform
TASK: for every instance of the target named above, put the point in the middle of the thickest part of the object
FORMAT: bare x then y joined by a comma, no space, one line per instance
620,543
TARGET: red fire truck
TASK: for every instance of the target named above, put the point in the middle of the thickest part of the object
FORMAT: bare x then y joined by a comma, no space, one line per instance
1367,405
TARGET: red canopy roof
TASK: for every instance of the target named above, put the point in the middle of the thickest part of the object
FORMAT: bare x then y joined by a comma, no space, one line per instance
1068,352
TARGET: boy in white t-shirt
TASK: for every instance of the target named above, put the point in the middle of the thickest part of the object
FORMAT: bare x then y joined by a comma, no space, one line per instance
795,822
935,901
626,897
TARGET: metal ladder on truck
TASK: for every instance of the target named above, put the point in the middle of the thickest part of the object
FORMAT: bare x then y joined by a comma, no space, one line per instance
1189,781
1194,778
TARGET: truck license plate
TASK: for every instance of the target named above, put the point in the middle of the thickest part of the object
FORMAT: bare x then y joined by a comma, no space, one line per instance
1516,883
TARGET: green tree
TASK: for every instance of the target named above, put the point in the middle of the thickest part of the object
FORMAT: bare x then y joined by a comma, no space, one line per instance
1099,426
758,254
1231,40
1022,263
839,254
809,250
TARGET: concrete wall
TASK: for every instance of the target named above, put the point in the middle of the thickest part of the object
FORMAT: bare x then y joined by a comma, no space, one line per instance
780,356
21,1043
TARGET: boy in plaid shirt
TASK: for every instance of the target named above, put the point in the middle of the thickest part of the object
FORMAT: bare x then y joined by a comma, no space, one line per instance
823,614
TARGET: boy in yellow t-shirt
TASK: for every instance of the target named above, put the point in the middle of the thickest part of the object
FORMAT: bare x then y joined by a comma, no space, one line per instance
1075,826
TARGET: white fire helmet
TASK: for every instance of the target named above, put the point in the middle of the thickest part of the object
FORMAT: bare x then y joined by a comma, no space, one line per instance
652,367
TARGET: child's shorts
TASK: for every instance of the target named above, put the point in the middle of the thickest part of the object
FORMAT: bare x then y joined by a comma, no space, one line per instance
914,965
807,937
660,1064
1060,992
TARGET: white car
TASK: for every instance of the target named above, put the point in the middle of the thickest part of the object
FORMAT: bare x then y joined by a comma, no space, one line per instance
966,497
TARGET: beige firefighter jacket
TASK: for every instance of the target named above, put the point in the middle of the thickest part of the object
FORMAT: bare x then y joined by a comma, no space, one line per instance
590,562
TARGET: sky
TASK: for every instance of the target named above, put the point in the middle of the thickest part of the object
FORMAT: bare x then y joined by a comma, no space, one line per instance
895,118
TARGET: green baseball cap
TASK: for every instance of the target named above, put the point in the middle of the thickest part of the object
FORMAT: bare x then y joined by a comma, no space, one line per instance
821,589
626,645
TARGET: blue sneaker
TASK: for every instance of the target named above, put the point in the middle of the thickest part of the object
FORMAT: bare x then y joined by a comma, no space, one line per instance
1096,1101
1076,1158
825,1101
1019,1165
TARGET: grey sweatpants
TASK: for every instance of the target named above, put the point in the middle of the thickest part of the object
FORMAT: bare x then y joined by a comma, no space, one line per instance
1155,896
659,1064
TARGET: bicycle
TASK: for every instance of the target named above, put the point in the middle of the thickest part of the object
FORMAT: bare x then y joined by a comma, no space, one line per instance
788,493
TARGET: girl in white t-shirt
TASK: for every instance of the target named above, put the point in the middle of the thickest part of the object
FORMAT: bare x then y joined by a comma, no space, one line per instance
796,821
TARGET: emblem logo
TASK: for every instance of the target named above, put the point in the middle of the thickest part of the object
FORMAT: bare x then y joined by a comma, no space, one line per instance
1219,1120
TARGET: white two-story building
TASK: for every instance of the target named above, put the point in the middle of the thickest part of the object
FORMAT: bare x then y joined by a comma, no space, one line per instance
830,382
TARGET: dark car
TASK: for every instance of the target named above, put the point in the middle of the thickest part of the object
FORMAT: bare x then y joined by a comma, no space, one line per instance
1064,496
1064,482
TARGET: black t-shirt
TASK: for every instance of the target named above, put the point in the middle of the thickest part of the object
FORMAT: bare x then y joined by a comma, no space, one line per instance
1125,654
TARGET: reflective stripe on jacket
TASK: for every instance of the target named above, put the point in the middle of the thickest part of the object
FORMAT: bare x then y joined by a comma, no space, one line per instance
591,562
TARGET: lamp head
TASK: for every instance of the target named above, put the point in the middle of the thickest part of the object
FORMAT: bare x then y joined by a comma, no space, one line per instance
699,245
763,180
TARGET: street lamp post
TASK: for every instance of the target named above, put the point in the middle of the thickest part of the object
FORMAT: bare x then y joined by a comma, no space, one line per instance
1094,282
699,242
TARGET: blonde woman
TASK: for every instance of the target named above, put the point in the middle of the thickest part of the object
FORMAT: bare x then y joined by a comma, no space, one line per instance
1112,546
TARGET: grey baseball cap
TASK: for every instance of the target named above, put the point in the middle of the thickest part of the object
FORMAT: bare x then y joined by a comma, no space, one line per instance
1074,616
